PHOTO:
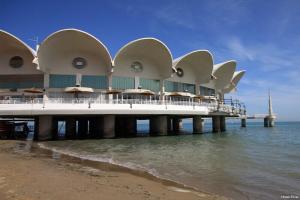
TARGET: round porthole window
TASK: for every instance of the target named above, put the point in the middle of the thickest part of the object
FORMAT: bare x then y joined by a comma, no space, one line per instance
137,67
79,63
16,62
180,72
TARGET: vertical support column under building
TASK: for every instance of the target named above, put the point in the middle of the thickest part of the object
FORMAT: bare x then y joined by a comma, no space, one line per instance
130,126
169,125
197,88
46,80
197,124
136,82
162,90
223,123
109,126
159,125
243,122
177,125
70,128
109,80
216,124
271,122
44,127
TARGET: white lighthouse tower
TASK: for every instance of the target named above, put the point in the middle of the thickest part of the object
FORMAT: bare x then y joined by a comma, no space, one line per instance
269,120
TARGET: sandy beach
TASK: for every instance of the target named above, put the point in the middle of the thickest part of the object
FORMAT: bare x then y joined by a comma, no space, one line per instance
27,174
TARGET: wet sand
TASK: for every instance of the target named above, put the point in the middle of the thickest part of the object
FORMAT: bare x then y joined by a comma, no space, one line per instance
29,173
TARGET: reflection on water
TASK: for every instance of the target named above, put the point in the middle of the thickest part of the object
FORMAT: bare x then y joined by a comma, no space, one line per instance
243,163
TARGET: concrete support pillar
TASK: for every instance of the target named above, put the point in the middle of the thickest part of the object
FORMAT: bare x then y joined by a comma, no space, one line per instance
82,128
45,127
197,88
162,89
197,124
109,81
216,124
130,126
70,128
177,125
269,122
46,80
109,126
266,122
136,82
223,123
170,127
159,125
243,122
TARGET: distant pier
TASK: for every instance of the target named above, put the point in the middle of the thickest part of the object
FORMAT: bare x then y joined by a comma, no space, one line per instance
269,119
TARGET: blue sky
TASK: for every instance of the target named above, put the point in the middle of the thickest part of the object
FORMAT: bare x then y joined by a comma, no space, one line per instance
262,36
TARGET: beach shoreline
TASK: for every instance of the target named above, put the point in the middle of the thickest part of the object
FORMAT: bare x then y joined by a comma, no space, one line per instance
29,172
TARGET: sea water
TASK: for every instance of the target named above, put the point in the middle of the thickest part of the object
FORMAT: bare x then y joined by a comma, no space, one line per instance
242,163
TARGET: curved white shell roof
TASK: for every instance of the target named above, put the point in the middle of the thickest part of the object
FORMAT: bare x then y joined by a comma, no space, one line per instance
60,43
224,73
11,46
199,62
237,76
9,41
153,54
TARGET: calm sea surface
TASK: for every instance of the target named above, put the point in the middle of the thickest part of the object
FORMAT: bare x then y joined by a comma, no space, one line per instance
243,163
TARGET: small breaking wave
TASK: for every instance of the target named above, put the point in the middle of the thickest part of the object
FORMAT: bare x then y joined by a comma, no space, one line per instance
109,160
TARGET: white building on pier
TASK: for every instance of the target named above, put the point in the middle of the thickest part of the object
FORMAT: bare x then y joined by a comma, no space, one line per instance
72,77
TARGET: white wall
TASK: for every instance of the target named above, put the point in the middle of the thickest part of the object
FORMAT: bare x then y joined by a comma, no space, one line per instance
60,62
27,68
151,70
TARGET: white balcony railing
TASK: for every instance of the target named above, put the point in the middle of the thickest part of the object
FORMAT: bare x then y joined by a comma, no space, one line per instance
213,106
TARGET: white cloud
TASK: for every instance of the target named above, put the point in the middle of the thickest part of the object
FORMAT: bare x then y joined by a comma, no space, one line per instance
269,56
238,49
176,15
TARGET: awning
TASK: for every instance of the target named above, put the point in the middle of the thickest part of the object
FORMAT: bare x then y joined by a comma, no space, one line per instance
33,90
113,91
179,94
139,91
79,90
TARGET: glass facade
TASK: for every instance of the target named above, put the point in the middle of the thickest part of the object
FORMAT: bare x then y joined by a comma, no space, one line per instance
150,84
61,81
21,85
122,83
97,82
204,91
171,86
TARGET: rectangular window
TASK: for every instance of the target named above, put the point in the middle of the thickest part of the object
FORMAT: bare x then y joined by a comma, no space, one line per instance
122,83
150,84
21,85
205,91
97,82
21,81
171,86
62,81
